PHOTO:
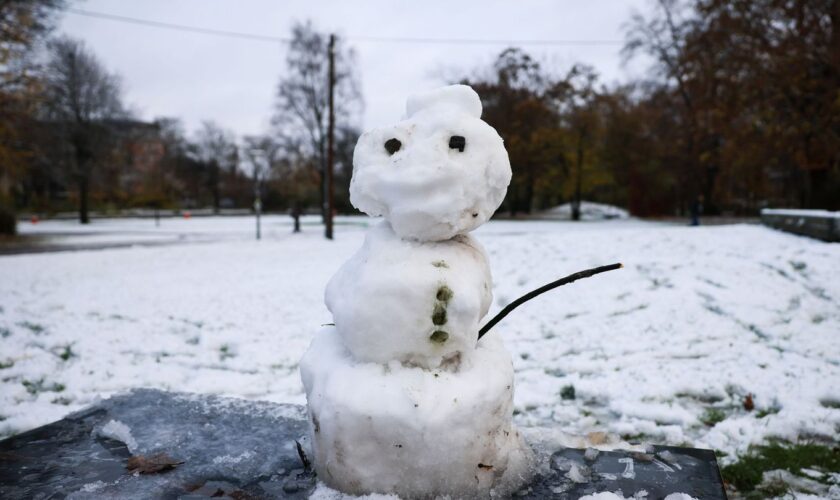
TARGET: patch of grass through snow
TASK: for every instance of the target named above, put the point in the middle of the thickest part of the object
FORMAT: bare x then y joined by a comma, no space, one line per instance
639,437
712,416
225,352
746,473
35,386
567,392
772,410
830,403
32,327
64,352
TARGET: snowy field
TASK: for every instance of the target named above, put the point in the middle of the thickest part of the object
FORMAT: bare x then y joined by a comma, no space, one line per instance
666,350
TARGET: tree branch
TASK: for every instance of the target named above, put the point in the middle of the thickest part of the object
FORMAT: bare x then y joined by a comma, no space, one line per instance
545,288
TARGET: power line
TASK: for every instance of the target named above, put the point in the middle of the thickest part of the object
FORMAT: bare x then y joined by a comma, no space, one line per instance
370,39
180,27
476,41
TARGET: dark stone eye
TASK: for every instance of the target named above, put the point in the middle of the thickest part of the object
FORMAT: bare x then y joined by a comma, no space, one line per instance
457,142
392,146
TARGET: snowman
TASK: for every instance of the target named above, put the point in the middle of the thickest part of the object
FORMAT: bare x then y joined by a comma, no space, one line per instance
402,396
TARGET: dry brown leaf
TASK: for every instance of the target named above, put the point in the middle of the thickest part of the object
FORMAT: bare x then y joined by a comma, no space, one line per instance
597,438
151,465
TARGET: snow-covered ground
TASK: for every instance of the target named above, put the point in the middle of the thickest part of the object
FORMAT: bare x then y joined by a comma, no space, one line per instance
121,232
666,350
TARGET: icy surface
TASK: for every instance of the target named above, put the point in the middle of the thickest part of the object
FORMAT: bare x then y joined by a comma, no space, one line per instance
417,432
245,449
698,318
417,303
237,449
428,189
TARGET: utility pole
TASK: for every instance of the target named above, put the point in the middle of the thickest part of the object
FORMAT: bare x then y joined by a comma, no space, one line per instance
257,156
258,207
328,228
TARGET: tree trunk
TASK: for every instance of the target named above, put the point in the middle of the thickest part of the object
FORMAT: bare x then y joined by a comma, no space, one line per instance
8,220
81,144
709,189
84,186
322,159
528,202
513,199
578,179
215,191
296,215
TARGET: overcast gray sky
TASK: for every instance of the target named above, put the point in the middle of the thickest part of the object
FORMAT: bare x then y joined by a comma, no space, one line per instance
199,77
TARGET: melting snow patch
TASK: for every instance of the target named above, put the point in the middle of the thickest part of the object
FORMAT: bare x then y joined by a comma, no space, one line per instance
323,492
92,487
229,460
119,431
643,494
579,473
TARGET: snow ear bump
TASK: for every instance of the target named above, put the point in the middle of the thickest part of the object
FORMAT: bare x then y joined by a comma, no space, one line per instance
453,97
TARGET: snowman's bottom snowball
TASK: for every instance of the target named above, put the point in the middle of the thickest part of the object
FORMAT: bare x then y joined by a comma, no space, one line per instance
414,432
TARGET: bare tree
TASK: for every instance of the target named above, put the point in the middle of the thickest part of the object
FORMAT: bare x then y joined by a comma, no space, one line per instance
513,95
663,36
301,110
573,97
81,96
215,149
22,25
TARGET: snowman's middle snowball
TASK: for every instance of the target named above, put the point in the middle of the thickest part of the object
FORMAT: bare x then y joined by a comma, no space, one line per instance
417,303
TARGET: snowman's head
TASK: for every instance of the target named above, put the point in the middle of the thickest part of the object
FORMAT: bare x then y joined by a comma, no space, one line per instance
440,172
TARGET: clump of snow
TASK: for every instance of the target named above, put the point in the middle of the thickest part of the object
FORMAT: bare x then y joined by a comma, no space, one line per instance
413,431
607,495
579,473
449,100
115,429
418,303
448,176
93,487
589,211
230,460
324,492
